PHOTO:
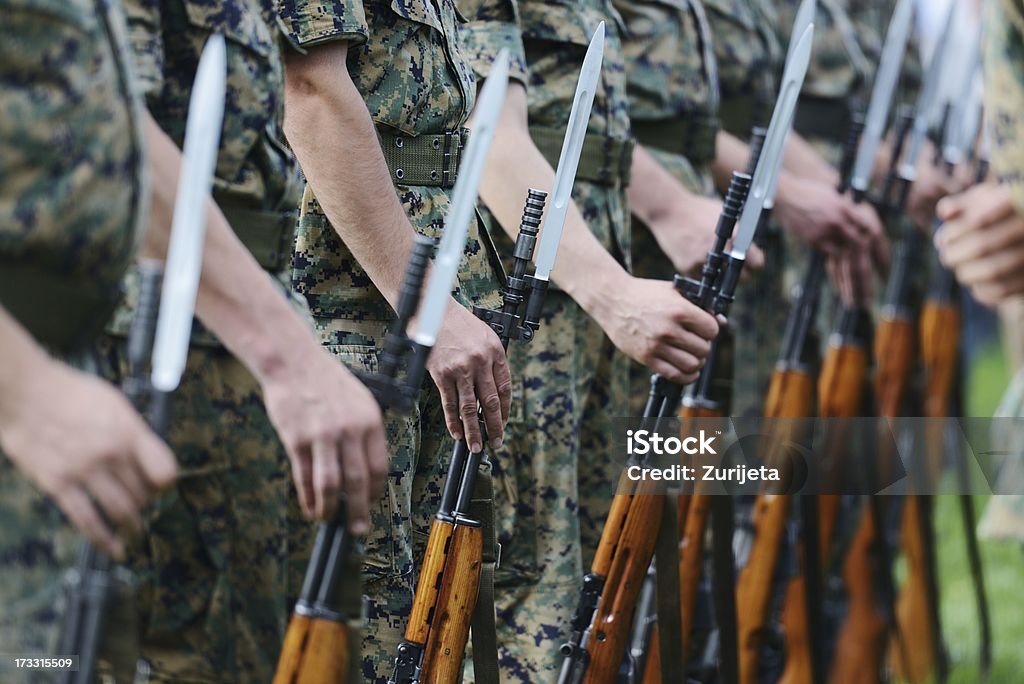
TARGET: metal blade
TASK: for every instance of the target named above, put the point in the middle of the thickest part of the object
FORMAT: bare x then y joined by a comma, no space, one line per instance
804,18
188,228
774,145
927,97
881,97
568,161
963,120
453,242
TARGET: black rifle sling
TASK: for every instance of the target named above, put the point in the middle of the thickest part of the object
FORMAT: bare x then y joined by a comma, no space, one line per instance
666,568
483,625
724,587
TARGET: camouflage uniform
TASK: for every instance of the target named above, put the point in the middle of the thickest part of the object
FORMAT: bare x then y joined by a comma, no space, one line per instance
749,57
570,381
672,84
71,185
407,63
212,565
1004,104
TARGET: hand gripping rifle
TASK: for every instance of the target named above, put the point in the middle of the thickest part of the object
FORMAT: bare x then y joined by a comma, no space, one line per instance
599,632
791,396
317,644
460,535
159,337
917,607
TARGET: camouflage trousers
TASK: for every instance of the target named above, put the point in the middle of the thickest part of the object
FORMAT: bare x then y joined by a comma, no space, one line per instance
211,567
420,449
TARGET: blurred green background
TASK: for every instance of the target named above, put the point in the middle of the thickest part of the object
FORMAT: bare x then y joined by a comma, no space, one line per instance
1003,560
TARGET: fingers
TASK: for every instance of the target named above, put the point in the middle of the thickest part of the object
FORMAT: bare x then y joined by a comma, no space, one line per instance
503,380
979,244
696,320
83,515
356,484
302,473
1000,266
154,460
491,406
677,365
114,501
467,411
327,474
450,405
755,258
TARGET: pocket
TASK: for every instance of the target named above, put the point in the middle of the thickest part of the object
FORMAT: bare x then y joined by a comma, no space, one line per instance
249,29
383,543
418,12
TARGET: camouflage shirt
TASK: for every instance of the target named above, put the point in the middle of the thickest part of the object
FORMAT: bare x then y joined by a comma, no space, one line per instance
672,76
1004,94
71,164
749,60
257,181
406,61
548,41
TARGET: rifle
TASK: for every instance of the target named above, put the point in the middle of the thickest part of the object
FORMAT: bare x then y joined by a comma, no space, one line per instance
446,592
317,644
599,630
158,337
917,611
791,395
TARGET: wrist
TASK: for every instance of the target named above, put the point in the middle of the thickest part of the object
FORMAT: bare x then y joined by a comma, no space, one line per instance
598,297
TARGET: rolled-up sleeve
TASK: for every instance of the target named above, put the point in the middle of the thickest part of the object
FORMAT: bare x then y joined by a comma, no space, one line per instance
491,26
306,23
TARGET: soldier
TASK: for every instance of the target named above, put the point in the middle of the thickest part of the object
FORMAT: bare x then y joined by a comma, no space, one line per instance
212,564
806,204
554,473
71,187
983,238
378,96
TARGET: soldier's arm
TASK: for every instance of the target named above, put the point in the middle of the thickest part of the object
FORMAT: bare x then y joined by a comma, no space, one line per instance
327,420
646,319
683,223
332,134
77,439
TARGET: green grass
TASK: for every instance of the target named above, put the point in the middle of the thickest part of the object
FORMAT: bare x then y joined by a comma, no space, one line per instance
1003,562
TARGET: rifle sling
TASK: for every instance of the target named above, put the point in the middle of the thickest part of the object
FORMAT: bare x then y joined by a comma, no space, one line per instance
483,625
932,587
813,594
666,569
724,589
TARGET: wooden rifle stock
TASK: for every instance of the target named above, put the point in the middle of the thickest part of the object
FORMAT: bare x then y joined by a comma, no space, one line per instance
318,643
446,590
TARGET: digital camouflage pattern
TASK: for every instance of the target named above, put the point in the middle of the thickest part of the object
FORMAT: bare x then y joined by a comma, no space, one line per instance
551,477
749,61
1004,116
71,164
410,70
749,58
212,565
672,82
70,186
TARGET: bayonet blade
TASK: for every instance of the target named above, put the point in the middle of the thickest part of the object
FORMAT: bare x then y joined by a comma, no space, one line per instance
188,227
461,211
804,18
926,99
881,97
569,159
770,163
963,124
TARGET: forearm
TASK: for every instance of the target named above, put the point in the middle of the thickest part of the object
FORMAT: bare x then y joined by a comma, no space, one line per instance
803,160
333,136
22,356
654,192
515,165
731,155
236,300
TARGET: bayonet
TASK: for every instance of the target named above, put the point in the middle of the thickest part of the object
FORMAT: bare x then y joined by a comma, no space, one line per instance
963,123
188,228
926,99
464,196
568,161
882,95
770,163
